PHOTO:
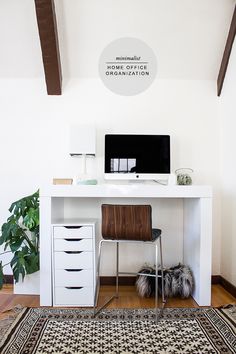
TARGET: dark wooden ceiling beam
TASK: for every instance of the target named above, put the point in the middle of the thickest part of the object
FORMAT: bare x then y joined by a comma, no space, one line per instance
226,55
47,26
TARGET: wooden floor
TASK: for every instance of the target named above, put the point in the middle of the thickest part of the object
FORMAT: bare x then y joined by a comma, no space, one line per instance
128,298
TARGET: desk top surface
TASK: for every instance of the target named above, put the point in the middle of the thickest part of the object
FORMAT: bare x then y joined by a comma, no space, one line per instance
138,190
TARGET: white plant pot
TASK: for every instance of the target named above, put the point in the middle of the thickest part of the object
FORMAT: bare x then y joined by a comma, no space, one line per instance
30,285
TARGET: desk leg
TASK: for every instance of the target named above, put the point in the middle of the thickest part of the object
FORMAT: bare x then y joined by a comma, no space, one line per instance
198,246
45,252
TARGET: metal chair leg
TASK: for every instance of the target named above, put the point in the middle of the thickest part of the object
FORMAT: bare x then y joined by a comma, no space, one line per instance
162,275
97,285
156,283
117,270
96,311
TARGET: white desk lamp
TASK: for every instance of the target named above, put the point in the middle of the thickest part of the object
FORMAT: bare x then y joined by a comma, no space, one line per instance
83,144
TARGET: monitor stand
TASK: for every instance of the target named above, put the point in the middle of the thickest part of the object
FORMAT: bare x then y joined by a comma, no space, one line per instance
170,180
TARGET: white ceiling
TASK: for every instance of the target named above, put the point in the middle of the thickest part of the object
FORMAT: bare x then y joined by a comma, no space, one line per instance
188,36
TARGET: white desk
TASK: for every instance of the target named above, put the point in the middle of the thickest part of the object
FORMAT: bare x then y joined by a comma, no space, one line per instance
197,226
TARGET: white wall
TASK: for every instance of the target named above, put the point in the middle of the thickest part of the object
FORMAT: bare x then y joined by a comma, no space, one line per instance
33,134
188,36
227,105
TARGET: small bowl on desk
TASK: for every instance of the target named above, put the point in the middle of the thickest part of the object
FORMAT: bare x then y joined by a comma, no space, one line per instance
184,176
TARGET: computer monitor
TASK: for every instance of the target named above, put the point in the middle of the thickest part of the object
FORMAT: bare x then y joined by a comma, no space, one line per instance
144,157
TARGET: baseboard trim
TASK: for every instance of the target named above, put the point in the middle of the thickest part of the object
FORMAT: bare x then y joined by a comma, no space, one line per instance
218,279
111,280
8,279
130,281
228,286
215,279
104,280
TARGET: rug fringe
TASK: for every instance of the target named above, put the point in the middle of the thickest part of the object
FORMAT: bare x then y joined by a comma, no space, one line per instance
6,323
14,308
229,306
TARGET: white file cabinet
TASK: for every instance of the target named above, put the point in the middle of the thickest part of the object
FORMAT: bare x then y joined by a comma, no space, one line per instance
74,259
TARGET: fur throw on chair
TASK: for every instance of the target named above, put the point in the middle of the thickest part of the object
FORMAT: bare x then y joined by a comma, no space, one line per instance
178,281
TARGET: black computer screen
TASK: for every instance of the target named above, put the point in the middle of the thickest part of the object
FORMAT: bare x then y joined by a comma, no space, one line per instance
137,153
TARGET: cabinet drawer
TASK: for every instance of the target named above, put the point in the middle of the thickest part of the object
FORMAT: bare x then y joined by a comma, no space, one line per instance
74,277
70,244
78,296
73,232
67,260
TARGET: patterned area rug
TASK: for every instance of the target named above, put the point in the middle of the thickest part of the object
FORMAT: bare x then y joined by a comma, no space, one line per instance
70,331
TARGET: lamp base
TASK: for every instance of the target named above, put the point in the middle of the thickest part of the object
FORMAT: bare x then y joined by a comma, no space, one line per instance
86,181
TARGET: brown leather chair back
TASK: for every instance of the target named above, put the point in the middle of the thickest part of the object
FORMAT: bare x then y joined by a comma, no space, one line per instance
127,222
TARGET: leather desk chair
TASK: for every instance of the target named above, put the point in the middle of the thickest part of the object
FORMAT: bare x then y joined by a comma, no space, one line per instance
129,223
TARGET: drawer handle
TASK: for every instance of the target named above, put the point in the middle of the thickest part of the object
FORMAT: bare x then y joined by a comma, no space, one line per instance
74,287
73,239
73,227
73,252
73,270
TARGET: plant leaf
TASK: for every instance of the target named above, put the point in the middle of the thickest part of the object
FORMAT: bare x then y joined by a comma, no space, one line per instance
18,263
21,234
1,275
31,219
12,235
32,263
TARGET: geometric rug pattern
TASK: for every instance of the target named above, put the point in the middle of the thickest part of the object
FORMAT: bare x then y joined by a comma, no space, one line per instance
73,331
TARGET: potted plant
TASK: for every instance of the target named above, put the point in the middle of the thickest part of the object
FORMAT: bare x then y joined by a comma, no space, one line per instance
20,236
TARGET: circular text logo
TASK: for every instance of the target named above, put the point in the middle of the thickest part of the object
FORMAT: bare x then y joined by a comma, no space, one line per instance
127,66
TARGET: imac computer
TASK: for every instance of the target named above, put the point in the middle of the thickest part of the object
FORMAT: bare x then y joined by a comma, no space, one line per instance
137,157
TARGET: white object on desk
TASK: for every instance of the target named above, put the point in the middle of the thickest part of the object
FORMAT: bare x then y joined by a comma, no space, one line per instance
82,140
197,230
82,144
